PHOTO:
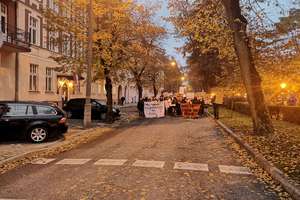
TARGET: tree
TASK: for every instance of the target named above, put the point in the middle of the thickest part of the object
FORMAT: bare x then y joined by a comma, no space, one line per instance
155,74
142,50
124,39
214,26
261,120
112,39
204,70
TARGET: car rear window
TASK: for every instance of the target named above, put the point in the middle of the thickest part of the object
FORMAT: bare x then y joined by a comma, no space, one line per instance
45,110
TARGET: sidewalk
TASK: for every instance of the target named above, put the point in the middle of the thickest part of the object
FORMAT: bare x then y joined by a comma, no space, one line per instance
10,149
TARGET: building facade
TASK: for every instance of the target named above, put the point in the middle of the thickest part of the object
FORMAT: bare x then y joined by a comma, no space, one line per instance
27,71
13,41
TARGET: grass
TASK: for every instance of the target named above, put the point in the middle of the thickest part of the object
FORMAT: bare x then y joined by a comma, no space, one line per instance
281,148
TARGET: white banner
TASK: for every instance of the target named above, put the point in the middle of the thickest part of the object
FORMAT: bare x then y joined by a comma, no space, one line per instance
154,109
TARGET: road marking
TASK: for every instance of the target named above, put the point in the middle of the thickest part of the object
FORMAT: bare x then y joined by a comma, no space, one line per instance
234,170
42,161
73,161
113,162
191,166
11,199
148,163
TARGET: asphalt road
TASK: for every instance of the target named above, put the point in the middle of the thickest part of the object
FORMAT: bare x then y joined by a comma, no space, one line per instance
171,158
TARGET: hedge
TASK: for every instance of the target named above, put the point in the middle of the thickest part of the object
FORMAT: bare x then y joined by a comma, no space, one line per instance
285,113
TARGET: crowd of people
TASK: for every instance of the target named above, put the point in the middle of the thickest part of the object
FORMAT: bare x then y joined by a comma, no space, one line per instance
173,104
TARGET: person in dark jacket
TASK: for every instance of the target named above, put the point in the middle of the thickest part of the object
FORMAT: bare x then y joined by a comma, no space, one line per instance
123,100
140,107
215,107
202,103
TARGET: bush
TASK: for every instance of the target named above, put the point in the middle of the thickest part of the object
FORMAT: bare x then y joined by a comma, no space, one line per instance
285,113
230,101
291,114
242,107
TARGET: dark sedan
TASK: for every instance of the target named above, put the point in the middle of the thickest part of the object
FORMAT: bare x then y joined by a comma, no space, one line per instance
75,109
33,121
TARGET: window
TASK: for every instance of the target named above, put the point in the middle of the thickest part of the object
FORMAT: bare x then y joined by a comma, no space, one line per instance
19,110
66,45
46,110
53,41
33,77
53,6
49,79
3,15
33,30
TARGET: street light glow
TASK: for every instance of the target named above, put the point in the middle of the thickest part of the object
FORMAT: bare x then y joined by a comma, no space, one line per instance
183,78
61,83
70,84
173,64
283,85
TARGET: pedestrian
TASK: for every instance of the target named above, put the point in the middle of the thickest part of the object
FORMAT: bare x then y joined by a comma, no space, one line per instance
140,107
167,104
216,102
122,100
195,101
202,107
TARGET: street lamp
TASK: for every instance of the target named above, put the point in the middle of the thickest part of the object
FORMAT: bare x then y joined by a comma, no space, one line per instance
283,85
173,63
182,78
70,84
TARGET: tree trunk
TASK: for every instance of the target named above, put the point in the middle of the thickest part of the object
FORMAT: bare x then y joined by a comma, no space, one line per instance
154,88
260,116
109,97
140,89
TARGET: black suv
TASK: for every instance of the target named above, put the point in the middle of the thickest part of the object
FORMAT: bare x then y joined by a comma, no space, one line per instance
75,109
34,121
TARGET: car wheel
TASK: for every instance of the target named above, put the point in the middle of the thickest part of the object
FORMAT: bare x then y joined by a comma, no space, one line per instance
103,116
38,134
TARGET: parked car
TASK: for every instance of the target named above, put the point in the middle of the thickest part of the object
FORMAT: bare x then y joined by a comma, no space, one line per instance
75,109
31,120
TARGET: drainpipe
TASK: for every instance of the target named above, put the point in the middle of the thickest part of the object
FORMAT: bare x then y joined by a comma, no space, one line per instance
17,77
17,58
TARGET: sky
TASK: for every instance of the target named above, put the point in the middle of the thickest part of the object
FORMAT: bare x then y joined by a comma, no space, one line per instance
171,42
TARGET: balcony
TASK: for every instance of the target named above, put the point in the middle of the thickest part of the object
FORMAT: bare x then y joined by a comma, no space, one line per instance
14,39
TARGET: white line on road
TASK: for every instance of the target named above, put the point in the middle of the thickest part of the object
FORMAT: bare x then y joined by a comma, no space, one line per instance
42,161
191,166
147,163
11,199
234,170
73,161
113,162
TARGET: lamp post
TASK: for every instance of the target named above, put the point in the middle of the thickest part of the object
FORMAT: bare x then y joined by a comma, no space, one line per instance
283,86
87,121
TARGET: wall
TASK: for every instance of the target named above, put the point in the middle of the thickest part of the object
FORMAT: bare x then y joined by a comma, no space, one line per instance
7,76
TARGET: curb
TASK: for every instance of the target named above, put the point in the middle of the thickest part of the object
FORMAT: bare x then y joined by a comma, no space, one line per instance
276,173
